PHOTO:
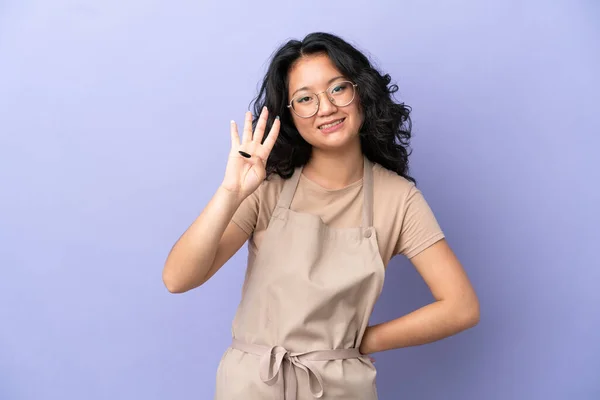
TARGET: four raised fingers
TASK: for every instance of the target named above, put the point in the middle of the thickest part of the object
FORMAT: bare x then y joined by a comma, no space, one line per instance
263,150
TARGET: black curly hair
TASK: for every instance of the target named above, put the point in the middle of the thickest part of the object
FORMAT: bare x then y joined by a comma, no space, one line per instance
386,130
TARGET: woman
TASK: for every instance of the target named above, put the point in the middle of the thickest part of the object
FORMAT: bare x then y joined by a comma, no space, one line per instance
319,185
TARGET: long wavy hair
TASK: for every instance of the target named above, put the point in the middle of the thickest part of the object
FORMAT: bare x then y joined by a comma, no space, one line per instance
386,131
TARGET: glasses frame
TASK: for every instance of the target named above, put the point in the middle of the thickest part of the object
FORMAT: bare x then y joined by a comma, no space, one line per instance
317,95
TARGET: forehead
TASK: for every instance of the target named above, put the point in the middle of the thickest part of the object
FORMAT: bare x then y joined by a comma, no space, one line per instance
312,72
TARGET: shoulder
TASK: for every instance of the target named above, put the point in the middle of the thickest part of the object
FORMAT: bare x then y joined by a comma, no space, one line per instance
388,184
255,211
270,188
267,196
397,197
407,223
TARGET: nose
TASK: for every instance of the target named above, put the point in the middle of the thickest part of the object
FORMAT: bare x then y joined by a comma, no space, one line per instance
326,107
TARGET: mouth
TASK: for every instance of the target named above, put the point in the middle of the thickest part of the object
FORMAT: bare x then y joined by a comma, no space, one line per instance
332,124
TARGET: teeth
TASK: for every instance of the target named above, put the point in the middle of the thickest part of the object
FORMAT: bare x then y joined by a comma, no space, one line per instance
331,124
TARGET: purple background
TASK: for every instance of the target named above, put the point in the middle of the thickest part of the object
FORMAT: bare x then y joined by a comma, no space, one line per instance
114,121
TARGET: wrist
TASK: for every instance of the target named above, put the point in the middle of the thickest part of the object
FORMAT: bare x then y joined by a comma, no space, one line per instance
229,197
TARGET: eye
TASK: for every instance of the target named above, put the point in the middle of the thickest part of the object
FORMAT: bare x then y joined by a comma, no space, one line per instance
339,88
303,99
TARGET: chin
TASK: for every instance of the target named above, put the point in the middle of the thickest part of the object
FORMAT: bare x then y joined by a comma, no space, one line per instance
335,140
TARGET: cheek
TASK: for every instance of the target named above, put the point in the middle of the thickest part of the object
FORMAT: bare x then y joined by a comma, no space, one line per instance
304,125
358,115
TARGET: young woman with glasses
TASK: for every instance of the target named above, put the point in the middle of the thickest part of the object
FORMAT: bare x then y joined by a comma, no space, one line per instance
319,185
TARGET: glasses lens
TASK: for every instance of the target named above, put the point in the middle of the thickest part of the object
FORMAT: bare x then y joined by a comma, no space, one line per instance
305,104
341,94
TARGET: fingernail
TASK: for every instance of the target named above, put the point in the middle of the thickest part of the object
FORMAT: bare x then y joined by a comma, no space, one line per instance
244,154
277,117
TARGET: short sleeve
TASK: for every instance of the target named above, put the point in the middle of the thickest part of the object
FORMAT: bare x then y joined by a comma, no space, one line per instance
420,228
246,216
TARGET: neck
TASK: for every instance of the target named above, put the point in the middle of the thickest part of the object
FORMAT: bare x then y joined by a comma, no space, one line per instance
335,170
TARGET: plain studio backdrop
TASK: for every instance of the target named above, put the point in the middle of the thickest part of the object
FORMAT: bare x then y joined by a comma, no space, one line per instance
114,121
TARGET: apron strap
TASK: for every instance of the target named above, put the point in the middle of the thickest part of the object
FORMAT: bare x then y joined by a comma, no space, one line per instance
367,220
289,188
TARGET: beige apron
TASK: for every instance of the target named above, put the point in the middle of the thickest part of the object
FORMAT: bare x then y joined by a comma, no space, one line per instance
306,302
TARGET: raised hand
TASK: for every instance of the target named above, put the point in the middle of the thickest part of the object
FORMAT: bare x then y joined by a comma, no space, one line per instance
246,168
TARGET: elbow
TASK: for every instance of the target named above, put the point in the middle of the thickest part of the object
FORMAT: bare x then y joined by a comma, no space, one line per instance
462,312
177,282
173,284
174,289
469,314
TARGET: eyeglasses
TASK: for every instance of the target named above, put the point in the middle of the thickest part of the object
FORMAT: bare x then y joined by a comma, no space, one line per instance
306,104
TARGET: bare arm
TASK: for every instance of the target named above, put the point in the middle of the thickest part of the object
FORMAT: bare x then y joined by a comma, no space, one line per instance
212,239
456,307
205,246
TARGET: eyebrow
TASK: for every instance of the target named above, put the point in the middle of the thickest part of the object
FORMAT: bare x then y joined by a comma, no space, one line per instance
328,83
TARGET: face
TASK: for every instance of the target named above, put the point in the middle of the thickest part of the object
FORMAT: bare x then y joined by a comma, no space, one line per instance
335,125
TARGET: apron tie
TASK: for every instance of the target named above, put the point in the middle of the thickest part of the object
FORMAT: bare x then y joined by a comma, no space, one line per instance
269,370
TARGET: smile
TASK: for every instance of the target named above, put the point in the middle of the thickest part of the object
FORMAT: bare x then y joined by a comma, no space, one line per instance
332,124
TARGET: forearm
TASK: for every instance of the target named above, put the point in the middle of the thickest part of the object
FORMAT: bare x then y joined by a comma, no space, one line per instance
428,324
192,256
